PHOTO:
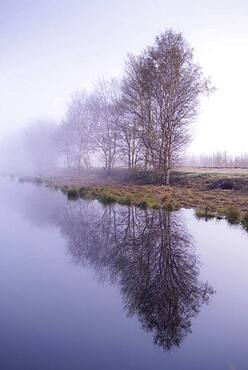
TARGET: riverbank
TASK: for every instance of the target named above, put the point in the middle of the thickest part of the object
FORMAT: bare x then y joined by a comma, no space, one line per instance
211,193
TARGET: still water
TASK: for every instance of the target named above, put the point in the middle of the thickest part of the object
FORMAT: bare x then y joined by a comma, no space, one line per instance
93,287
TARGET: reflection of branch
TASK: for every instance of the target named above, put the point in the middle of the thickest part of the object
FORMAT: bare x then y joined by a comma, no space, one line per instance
150,255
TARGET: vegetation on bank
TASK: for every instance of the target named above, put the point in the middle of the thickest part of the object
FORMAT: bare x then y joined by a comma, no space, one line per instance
211,195
219,204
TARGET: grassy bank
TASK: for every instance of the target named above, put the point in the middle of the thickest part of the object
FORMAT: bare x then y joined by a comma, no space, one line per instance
207,204
210,193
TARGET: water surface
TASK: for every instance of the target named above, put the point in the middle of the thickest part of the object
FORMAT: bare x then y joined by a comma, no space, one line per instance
88,286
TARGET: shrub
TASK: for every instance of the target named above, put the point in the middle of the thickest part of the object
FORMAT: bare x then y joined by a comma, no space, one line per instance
172,206
106,198
83,190
86,193
65,189
38,181
245,221
72,194
125,200
151,203
142,205
232,214
204,213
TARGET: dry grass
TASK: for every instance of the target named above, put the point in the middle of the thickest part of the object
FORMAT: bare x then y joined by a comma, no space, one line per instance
219,203
191,189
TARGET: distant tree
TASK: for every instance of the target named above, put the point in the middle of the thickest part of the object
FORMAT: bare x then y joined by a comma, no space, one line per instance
218,160
76,132
106,118
66,147
40,145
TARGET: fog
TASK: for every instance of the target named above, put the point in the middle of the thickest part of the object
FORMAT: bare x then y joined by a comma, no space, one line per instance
30,151
50,50
141,121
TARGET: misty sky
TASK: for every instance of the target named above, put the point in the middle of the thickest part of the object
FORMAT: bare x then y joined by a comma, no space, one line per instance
49,49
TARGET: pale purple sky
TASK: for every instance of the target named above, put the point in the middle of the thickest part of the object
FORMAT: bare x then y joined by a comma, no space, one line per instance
49,49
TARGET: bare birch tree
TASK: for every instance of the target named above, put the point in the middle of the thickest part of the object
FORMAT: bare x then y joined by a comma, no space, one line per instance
76,132
161,90
105,115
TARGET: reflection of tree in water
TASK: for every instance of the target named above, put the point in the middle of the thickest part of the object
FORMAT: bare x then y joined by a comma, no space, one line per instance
150,255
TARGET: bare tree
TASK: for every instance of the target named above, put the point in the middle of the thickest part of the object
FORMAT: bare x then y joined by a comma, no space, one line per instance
161,91
40,144
145,120
135,113
105,115
76,132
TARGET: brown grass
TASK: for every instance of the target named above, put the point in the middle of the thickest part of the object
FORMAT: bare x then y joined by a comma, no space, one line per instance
192,188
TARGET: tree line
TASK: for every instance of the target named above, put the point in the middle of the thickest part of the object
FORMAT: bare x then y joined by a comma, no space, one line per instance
141,121
218,160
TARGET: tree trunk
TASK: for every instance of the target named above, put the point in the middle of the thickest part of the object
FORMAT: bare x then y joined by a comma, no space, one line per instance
166,176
